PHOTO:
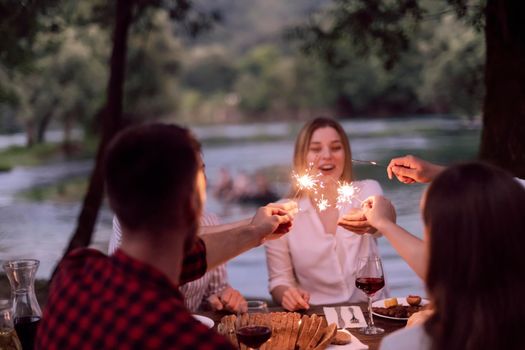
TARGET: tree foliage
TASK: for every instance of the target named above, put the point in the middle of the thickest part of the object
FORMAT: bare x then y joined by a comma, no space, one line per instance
385,25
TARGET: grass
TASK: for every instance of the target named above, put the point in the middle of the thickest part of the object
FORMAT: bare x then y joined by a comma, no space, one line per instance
45,153
70,190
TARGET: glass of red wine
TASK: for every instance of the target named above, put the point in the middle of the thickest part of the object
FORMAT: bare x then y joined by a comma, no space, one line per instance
370,279
253,329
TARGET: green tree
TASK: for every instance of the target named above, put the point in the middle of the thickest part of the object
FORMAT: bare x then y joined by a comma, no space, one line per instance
452,73
383,27
153,62
126,13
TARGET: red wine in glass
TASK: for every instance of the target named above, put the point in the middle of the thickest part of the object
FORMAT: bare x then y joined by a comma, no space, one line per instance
370,279
370,285
253,336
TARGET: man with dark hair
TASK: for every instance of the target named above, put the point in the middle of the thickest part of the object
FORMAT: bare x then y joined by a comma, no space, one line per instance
131,300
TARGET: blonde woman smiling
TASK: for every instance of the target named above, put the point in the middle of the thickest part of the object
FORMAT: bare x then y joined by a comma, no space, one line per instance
316,262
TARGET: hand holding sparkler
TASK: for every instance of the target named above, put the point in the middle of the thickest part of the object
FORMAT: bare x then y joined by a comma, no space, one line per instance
378,211
410,169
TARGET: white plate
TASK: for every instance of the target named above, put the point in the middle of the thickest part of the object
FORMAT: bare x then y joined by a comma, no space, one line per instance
400,301
204,320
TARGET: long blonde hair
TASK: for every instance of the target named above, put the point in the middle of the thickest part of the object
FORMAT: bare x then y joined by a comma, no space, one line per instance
302,144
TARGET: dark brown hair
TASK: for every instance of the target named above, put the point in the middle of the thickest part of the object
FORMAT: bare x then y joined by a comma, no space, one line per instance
302,143
475,219
150,174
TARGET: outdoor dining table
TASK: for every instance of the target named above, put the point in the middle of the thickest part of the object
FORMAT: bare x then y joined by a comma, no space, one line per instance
372,341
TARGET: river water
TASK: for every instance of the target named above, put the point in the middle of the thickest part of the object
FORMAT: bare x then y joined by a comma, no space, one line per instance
41,230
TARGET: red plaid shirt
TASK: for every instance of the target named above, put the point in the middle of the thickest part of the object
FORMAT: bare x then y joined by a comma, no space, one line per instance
117,302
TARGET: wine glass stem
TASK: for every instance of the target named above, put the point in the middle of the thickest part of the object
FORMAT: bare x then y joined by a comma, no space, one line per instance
370,316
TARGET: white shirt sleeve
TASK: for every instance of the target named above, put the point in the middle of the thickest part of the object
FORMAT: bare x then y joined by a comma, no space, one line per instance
218,281
369,188
279,263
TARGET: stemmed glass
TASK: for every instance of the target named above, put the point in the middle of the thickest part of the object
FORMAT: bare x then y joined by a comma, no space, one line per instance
253,329
370,279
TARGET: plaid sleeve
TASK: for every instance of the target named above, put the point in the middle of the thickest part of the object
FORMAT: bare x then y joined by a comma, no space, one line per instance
194,264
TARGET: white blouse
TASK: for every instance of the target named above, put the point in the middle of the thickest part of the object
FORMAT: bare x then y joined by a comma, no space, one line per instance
321,263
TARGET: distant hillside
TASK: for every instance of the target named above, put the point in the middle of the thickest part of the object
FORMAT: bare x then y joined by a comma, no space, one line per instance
247,23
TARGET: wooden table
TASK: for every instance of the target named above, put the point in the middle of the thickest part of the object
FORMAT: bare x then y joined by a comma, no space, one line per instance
372,341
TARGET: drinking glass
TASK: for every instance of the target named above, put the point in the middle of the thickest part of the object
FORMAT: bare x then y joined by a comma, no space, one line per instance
370,279
8,337
253,329
256,306
26,311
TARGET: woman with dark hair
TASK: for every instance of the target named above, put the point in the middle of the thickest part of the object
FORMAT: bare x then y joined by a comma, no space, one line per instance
316,263
474,216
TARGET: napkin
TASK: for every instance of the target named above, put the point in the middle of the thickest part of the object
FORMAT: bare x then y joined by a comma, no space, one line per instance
331,316
355,344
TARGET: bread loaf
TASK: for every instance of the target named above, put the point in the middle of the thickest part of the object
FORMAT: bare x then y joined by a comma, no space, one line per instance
290,331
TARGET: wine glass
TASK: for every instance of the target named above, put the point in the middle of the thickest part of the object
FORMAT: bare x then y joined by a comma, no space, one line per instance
370,279
253,329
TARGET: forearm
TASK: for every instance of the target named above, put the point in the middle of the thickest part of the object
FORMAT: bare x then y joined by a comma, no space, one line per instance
435,170
227,244
219,228
277,294
408,246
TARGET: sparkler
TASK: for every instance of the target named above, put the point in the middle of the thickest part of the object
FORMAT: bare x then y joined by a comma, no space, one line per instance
322,203
307,182
369,162
346,192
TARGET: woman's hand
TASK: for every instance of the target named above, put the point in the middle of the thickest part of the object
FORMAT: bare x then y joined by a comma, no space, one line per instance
295,299
410,169
379,210
229,300
356,221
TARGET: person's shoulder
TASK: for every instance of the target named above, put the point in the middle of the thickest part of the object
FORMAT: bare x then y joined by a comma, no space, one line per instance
83,254
367,183
407,338
79,263
369,187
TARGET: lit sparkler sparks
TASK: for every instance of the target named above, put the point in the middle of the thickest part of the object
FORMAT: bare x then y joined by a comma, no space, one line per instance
306,182
345,193
322,203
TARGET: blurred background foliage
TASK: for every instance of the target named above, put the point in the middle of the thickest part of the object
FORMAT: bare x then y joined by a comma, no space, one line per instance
251,66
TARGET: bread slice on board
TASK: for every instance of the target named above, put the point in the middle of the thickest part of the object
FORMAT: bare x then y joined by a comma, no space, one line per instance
306,321
317,333
328,334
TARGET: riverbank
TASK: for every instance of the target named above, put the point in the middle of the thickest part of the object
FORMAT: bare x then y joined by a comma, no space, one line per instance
17,155
41,228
